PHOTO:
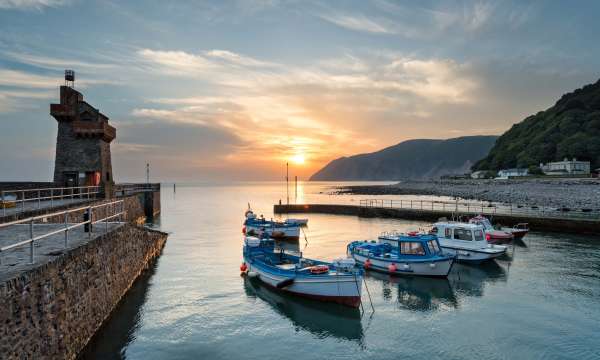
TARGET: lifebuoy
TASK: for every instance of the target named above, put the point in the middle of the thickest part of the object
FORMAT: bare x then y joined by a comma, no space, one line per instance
319,269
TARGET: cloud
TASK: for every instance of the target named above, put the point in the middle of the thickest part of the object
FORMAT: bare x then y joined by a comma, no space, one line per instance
23,79
358,23
56,64
31,4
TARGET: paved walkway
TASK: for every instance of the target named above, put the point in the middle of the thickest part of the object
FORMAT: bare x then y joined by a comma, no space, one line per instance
16,261
46,204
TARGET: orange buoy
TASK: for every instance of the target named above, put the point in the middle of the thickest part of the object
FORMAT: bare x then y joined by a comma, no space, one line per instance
244,230
367,264
243,267
392,267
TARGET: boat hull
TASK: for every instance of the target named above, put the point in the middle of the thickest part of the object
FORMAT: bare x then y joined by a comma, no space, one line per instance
280,233
343,289
474,256
519,234
441,267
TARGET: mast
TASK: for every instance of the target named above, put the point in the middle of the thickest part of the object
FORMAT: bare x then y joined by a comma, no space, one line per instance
287,178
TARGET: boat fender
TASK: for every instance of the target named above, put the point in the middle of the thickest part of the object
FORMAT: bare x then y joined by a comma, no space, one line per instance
243,267
367,264
284,283
253,274
432,265
406,266
392,268
244,230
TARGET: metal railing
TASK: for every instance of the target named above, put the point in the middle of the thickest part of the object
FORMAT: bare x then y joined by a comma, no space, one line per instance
484,208
118,211
18,198
130,189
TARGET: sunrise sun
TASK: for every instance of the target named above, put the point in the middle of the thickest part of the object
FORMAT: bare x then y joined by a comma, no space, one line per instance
298,159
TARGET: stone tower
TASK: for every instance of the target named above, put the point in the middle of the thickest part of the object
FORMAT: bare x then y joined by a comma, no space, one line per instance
83,141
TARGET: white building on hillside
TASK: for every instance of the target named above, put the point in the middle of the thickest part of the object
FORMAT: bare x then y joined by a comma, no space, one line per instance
508,173
479,174
570,167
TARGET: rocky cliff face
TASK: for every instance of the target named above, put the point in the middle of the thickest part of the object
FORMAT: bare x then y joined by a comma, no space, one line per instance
412,159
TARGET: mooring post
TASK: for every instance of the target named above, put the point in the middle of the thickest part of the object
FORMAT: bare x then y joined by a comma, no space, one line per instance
39,199
23,200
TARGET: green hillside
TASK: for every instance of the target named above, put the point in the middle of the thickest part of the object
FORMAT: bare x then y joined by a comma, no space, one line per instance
569,129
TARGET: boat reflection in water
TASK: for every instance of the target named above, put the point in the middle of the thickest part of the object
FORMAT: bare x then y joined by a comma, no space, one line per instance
431,294
471,280
321,319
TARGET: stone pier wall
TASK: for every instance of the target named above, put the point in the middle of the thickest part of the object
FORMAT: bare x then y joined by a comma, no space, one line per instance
53,310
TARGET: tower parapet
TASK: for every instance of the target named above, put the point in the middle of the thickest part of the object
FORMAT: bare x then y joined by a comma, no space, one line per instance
83,143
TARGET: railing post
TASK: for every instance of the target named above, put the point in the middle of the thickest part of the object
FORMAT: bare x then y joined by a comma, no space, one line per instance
66,229
91,220
421,204
31,243
3,205
51,198
39,199
23,200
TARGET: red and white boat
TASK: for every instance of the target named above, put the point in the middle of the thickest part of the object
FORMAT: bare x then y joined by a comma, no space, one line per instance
492,235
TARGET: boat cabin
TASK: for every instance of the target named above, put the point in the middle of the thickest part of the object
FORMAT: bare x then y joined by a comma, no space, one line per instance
483,221
458,231
413,244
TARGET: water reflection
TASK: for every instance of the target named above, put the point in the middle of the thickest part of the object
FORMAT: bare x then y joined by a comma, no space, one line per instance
431,294
416,293
319,318
123,322
470,280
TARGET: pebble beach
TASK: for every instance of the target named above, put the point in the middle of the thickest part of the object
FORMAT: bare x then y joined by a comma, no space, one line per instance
559,193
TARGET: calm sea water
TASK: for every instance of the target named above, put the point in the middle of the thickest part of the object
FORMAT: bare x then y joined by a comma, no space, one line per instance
541,301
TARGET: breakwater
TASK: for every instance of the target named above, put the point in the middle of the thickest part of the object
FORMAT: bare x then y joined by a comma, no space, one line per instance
53,309
575,226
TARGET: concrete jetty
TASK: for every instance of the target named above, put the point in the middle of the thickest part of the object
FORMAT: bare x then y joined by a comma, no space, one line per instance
576,226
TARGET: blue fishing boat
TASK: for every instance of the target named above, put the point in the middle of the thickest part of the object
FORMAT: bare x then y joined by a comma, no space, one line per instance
339,281
403,254
259,226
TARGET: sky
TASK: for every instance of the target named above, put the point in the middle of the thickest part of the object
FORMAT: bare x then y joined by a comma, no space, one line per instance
232,90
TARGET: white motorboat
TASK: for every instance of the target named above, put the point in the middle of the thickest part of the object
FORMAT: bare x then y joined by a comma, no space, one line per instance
466,241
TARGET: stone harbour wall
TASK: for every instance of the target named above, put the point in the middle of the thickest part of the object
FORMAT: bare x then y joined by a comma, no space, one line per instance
52,311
